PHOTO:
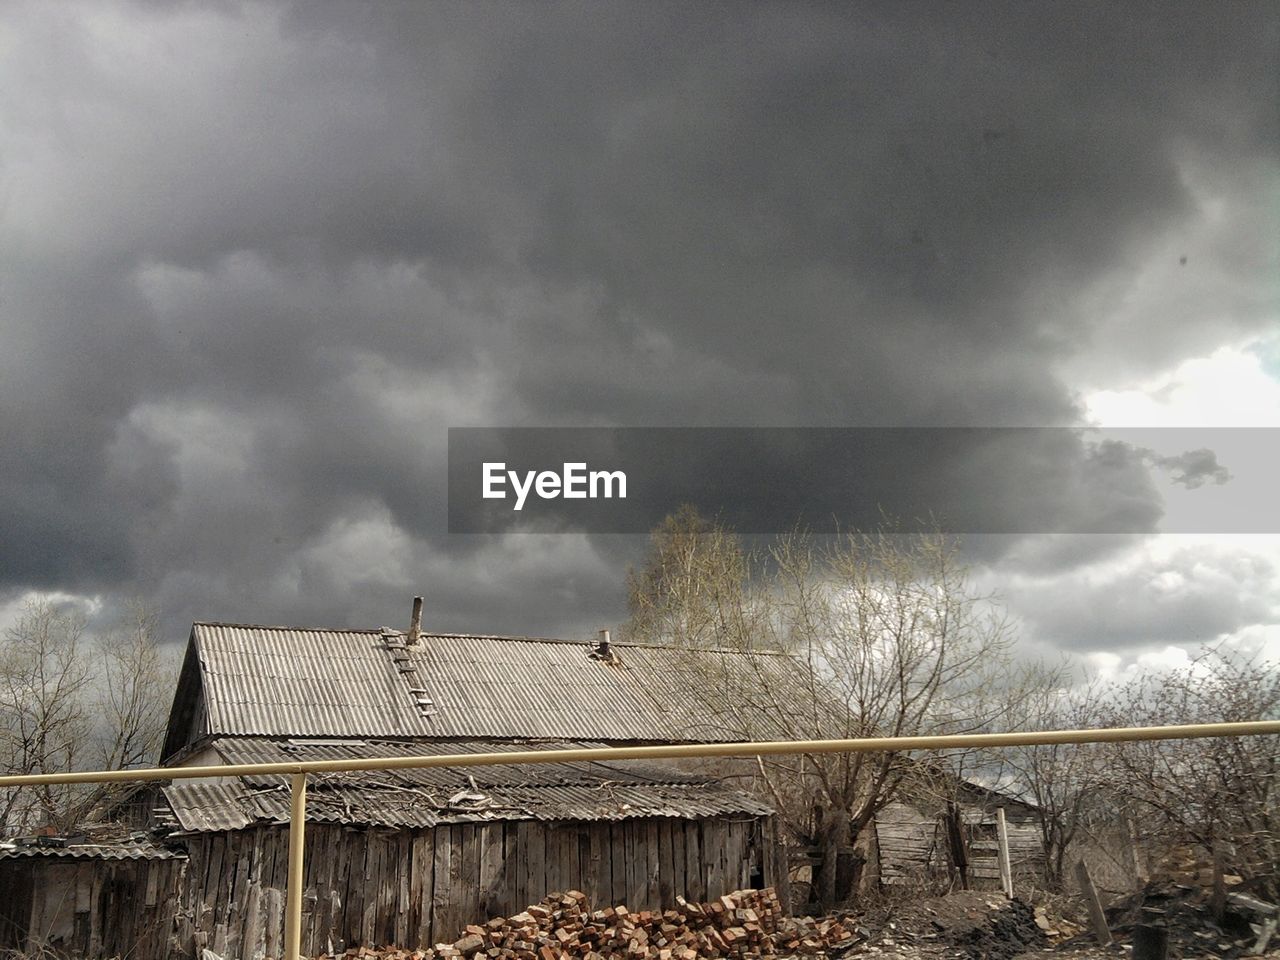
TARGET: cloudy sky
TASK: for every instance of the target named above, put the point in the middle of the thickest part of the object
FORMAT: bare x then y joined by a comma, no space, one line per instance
256,258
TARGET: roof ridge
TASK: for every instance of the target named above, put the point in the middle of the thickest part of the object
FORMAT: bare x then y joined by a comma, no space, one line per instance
633,644
508,637
271,626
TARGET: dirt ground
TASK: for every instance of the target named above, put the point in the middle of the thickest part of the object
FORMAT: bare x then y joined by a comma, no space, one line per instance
961,925
975,926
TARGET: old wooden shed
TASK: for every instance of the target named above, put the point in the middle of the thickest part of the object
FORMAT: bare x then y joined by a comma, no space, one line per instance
919,839
409,857
112,899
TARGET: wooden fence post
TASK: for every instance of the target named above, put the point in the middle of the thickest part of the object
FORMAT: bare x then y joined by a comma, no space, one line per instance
1218,900
1096,917
1006,868
1135,853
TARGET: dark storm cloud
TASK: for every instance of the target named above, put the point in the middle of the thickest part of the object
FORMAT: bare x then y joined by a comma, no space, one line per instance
806,183
768,480
256,258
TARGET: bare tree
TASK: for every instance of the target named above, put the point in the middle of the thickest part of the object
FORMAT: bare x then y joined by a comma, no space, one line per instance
1063,782
1221,792
43,722
70,700
853,636
133,696
695,582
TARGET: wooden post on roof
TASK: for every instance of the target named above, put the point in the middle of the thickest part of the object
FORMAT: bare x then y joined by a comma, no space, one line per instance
1006,868
1097,918
415,623
293,888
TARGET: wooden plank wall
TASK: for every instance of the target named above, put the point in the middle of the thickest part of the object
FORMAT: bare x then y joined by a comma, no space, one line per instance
911,846
90,908
414,888
1026,854
405,888
18,886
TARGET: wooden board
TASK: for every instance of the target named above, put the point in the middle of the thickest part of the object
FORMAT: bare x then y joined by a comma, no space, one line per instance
491,860
666,865
443,913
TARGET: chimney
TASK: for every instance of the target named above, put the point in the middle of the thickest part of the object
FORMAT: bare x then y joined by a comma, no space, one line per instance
415,623
602,650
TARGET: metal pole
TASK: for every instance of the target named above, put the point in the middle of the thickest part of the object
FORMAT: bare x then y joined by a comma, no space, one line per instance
293,892
606,754
298,771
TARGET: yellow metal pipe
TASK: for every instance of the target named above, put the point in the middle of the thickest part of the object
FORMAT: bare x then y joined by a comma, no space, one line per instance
670,751
293,888
298,771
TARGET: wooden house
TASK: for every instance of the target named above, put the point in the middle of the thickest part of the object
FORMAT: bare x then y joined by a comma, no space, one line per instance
409,857
404,857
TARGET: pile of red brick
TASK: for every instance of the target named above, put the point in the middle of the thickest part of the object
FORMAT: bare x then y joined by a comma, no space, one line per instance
745,923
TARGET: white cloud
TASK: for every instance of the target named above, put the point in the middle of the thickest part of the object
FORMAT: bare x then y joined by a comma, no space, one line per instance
1153,603
1111,668
1229,388
1199,406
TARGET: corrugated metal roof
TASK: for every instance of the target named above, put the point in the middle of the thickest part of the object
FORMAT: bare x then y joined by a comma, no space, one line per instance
121,850
272,681
203,805
426,797
356,805
257,750
281,681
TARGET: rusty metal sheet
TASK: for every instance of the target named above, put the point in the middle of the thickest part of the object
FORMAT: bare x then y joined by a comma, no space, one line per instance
106,850
407,798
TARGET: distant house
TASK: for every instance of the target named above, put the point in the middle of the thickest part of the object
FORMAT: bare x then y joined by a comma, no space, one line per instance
406,857
916,840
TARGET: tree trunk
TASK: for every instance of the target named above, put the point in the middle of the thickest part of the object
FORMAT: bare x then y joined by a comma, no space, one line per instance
833,838
1056,860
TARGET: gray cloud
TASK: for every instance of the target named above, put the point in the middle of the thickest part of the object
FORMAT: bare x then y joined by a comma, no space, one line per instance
257,257
1194,468
1186,596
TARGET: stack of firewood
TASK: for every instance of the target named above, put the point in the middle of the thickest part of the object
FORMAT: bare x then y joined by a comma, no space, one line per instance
746,923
